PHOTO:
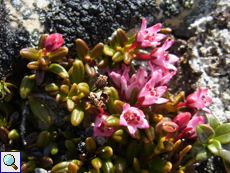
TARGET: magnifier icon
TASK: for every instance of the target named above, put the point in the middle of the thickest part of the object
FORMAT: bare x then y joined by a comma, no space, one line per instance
9,160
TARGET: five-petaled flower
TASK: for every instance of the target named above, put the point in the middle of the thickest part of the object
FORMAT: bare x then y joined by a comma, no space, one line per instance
100,128
151,93
198,100
53,42
133,118
148,36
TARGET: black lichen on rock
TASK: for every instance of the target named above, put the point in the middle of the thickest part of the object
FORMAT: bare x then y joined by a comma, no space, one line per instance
12,40
94,21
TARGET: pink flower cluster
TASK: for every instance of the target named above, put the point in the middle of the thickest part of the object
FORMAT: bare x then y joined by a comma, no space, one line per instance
158,56
151,88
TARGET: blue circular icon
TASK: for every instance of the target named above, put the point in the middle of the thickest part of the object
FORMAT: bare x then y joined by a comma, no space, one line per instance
8,159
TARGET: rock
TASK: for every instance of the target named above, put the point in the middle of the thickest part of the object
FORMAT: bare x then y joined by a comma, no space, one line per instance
40,170
208,54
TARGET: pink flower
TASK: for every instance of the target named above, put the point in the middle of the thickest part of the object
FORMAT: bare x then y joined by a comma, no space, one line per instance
133,118
127,84
161,75
187,127
161,57
53,42
197,100
148,37
150,94
100,127
195,121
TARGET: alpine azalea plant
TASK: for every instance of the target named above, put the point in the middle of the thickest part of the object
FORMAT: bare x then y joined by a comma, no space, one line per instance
125,120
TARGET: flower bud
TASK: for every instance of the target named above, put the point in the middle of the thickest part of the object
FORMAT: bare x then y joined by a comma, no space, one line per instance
53,42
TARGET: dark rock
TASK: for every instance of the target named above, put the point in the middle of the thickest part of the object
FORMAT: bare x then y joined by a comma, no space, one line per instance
12,40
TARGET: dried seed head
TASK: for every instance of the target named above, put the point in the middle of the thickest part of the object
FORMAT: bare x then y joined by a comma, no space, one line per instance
99,99
101,82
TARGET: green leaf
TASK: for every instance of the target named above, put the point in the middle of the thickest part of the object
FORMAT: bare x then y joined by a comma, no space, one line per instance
215,147
204,133
222,129
117,57
200,152
225,155
119,164
82,48
160,165
107,166
120,136
212,121
106,152
108,51
223,133
223,139
131,39
112,120
97,51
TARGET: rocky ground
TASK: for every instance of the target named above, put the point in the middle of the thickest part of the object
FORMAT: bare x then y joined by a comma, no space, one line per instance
200,28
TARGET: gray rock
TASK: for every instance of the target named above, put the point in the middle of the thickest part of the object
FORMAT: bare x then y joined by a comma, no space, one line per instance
210,56
40,170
